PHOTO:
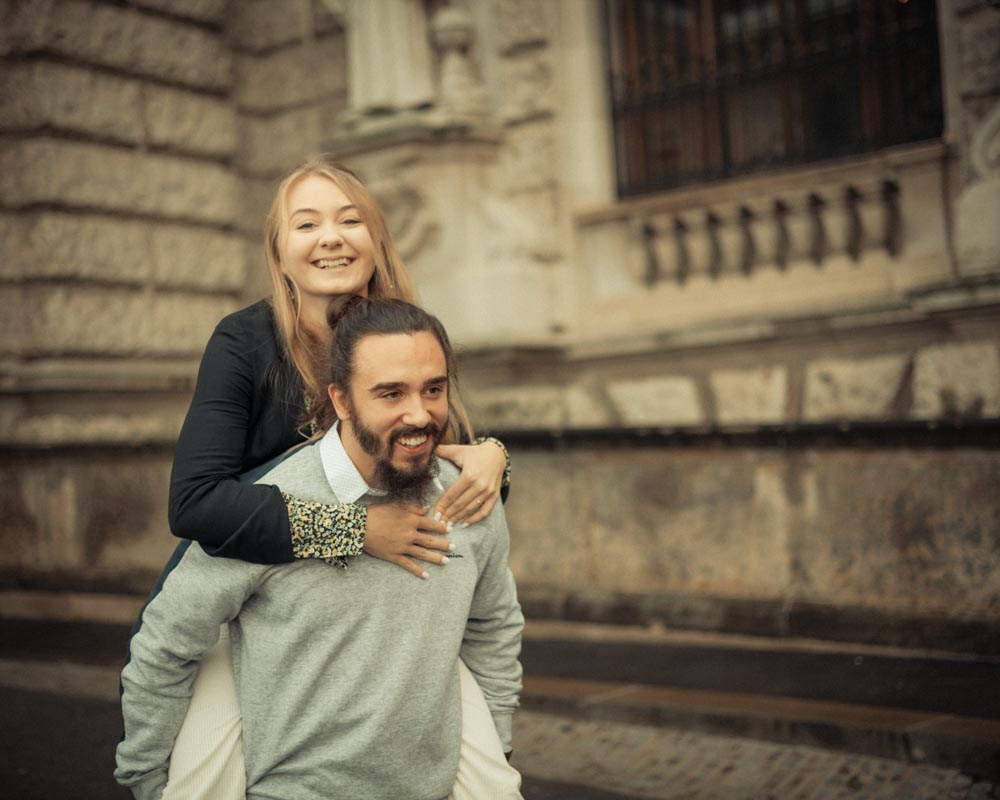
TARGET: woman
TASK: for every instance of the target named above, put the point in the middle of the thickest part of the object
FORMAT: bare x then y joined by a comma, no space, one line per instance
260,391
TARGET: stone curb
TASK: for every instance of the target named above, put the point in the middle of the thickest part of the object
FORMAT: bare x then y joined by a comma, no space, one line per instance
966,743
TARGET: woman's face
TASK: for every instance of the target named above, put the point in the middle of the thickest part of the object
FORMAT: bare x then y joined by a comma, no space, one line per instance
328,250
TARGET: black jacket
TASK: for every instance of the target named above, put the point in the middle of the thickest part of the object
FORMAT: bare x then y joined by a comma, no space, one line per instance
244,412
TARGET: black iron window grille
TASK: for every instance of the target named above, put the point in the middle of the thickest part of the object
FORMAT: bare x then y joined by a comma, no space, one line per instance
709,89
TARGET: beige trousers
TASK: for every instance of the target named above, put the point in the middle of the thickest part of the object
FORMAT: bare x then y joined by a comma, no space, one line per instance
207,760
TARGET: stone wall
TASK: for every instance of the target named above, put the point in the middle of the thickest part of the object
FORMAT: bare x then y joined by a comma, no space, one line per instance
140,146
118,254
682,377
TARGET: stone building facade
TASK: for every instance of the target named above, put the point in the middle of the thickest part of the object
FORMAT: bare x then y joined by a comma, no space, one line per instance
768,404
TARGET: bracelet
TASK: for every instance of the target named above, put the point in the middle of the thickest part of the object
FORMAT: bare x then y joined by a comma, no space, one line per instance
505,480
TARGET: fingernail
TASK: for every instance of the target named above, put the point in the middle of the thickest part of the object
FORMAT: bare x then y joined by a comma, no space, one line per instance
437,516
445,559
424,575
448,527
451,547
465,524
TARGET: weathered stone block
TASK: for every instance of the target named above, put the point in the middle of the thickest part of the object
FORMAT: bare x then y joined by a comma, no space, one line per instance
978,235
668,400
293,76
980,52
651,521
522,23
79,100
957,380
748,396
78,430
528,160
93,176
587,408
255,201
86,512
203,10
528,81
257,25
188,122
846,389
85,320
50,245
275,144
548,522
121,38
918,532
35,95
528,407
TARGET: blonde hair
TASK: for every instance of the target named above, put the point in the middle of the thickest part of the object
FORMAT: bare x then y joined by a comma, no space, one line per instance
390,280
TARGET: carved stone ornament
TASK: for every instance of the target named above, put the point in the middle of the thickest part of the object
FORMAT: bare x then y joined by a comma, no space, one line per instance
984,152
407,211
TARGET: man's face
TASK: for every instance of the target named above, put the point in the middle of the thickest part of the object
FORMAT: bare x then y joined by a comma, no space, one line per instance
396,410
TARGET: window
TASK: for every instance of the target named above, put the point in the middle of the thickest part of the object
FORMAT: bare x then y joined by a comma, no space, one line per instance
708,89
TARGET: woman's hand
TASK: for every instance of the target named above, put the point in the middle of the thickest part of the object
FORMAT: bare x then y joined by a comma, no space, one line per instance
395,531
472,497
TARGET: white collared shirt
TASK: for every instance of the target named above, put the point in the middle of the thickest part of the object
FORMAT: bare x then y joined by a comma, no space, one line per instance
343,477
341,474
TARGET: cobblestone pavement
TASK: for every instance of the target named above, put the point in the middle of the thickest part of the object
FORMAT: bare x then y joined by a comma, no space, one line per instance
644,762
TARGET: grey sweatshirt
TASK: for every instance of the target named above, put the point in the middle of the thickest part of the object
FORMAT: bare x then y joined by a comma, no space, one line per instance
347,679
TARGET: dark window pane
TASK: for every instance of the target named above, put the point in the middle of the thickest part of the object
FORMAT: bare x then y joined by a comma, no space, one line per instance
704,89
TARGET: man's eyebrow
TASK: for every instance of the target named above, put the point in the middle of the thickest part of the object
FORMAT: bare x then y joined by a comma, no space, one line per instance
381,387
391,385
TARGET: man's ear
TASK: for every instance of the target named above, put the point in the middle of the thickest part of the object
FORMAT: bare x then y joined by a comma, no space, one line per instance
339,400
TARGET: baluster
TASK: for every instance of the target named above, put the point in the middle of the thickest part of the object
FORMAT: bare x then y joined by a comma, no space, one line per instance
892,235
783,243
651,275
818,239
712,223
854,226
683,256
748,253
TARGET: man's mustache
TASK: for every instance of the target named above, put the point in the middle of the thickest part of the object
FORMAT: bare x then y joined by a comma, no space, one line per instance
431,430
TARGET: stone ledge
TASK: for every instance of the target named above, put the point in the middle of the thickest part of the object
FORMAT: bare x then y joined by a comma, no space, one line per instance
771,618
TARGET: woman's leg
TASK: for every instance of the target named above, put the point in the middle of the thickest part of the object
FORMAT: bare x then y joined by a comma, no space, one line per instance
483,771
207,760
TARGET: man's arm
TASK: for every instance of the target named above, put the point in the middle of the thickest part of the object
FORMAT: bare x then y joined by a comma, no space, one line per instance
492,639
179,626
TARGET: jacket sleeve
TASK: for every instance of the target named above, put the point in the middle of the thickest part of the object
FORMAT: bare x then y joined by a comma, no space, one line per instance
492,641
179,626
207,502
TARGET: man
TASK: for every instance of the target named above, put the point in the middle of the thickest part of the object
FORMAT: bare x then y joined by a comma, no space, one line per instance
348,680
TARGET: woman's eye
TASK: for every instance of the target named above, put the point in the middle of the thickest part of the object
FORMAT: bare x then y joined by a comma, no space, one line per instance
350,221
305,226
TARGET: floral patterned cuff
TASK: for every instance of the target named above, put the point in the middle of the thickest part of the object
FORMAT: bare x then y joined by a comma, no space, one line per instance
331,531
505,480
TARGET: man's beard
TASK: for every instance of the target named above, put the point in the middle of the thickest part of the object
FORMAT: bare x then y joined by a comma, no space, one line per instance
407,485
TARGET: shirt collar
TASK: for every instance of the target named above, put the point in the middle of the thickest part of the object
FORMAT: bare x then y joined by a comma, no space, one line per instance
341,474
